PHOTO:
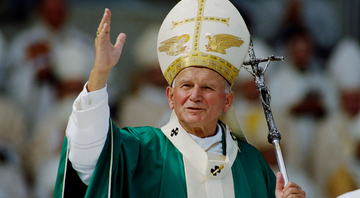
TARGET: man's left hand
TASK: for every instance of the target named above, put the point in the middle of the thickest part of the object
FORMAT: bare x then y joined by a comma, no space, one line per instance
291,190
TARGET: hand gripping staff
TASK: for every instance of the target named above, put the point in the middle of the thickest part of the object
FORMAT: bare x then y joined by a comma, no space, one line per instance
258,72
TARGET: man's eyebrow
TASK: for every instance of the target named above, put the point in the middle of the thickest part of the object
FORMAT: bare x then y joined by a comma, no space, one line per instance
210,84
184,80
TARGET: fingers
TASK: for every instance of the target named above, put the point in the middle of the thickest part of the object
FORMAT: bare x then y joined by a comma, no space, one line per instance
293,190
105,20
120,41
290,190
279,182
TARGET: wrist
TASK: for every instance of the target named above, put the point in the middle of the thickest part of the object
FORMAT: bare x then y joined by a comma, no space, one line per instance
97,80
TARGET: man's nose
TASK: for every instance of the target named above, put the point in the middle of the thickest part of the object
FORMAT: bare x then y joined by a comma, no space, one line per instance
196,94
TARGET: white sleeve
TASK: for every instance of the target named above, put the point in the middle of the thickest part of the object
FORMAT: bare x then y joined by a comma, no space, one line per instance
87,131
352,194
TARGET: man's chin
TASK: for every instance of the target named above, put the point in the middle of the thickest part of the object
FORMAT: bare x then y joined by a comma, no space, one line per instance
194,121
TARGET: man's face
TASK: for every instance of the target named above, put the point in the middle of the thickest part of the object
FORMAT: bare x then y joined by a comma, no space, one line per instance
198,97
54,13
301,51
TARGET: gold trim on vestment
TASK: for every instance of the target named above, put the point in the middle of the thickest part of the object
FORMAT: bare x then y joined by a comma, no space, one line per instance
65,170
111,158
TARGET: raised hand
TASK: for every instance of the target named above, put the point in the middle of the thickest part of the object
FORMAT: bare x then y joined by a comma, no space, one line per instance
291,190
106,54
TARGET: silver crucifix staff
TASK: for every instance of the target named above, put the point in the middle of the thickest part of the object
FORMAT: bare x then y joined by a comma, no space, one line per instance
258,72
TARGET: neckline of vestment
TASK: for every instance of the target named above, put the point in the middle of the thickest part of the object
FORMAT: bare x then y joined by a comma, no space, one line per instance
211,144
194,153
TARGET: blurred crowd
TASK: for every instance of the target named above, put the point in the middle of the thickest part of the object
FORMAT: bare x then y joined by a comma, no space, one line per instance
315,93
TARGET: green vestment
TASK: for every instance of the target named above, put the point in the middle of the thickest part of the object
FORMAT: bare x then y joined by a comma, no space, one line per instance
142,162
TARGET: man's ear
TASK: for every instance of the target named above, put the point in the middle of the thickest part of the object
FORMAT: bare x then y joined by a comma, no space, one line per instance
228,101
170,96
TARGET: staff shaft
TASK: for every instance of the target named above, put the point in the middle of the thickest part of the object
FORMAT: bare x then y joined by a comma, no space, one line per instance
280,160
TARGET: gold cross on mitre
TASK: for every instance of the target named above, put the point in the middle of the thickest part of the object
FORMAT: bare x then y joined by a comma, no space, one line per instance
209,43
200,17
198,22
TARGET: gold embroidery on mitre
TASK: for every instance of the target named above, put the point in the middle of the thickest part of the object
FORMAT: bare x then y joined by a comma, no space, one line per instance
175,45
193,19
198,19
221,66
220,42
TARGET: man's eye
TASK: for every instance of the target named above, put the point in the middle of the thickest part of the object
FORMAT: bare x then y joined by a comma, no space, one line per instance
185,85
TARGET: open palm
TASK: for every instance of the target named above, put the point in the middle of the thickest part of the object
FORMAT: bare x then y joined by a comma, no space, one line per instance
106,54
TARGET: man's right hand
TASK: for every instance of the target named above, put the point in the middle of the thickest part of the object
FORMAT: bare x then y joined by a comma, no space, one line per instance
106,54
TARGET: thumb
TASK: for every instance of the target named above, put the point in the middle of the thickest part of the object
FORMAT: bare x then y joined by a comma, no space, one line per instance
279,184
120,41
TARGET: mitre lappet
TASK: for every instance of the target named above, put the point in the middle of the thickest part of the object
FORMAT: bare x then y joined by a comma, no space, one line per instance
204,33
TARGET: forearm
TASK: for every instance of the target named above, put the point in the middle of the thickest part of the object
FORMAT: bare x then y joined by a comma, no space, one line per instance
86,131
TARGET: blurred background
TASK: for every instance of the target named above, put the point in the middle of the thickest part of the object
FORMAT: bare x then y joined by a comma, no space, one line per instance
47,52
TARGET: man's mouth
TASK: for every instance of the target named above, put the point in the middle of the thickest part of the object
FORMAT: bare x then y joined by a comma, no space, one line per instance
194,108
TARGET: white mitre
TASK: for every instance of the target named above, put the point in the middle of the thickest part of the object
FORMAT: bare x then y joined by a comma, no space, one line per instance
206,33
343,64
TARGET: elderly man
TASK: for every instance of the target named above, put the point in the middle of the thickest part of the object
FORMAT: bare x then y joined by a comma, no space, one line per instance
197,154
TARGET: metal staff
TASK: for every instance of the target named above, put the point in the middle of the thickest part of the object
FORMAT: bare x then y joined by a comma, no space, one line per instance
258,72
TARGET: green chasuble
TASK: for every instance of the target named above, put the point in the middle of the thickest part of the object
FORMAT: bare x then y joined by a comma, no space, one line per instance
142,162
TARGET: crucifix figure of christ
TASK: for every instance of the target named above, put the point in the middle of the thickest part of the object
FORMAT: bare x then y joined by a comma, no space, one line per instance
258,72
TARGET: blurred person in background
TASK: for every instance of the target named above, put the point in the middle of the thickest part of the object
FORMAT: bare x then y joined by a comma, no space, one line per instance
46,140
39,77
147,103
302,94
337,154
321,18
13,136
12,182
13,149
49,66
44,182
3,65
